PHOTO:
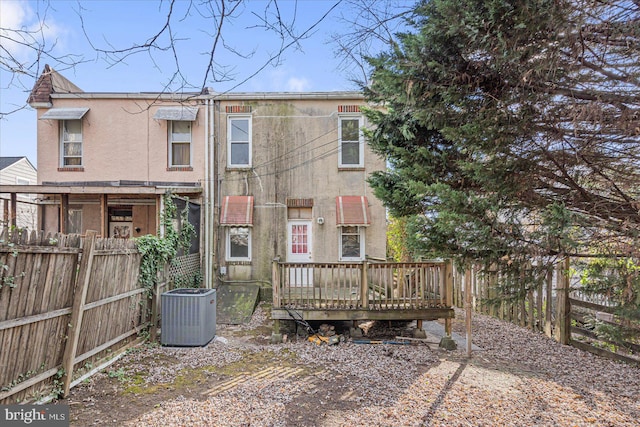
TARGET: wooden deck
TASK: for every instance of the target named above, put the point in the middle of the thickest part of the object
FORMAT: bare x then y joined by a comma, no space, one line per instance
362,291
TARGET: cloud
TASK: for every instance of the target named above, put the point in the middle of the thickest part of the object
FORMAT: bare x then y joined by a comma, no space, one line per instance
280,79
22,30
296,84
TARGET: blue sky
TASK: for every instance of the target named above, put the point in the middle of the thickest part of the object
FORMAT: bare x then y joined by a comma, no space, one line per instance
78,28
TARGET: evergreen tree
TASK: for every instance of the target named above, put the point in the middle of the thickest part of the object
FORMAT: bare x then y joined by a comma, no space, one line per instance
512,129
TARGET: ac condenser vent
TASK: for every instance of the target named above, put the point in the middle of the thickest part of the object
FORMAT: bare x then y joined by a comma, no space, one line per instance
188,317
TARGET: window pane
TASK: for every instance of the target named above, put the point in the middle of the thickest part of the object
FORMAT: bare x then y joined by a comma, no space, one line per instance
350,154
181,131
299,236
350,246
72,130
350,130
73,161
180,155
239,154
73,149
239,242
239,130
75,221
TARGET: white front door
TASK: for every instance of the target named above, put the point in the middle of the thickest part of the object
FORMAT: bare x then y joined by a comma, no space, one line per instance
299,250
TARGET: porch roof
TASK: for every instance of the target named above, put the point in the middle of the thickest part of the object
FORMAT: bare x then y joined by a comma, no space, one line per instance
90,189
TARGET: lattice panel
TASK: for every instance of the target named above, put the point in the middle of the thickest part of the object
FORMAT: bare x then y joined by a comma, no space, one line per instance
186,265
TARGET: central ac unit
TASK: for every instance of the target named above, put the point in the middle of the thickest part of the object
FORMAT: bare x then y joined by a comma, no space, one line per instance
188,317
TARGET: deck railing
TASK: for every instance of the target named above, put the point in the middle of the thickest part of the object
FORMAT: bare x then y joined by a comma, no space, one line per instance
362,285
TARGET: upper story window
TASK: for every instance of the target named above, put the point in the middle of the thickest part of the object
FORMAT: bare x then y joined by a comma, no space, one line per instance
70,143
239,141
179,143
351,142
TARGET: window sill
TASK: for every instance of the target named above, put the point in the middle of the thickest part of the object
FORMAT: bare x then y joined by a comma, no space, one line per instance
238,262
179,169
239,168
350,168
71,169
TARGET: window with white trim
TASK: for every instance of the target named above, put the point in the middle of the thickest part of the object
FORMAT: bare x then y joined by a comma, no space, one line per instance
70,143
351,243
239,141
238,244
179,143
351,142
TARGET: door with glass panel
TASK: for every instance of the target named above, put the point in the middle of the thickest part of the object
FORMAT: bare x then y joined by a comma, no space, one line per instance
299,251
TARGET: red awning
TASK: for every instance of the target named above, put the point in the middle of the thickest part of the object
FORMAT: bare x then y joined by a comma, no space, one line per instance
237,210
352,210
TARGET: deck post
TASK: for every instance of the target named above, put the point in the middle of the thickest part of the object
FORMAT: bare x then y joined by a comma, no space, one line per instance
276,336
364,286
447,342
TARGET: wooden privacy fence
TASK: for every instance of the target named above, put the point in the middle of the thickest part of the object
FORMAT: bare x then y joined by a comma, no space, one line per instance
65,303
556,307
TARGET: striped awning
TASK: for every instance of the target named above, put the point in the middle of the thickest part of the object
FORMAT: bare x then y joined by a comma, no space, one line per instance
352,210
180,113
64,113
237,211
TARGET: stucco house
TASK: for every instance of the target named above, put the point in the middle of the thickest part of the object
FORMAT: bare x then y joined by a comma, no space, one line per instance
276,185
18,209
291,173
273,174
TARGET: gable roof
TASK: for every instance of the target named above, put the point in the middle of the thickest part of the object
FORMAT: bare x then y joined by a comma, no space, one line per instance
5,162
50,81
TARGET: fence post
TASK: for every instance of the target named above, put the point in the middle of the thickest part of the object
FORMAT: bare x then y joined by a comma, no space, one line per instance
468,308
83,280
563,330
548,312
155,303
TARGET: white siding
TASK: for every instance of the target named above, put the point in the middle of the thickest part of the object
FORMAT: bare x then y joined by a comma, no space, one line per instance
26,210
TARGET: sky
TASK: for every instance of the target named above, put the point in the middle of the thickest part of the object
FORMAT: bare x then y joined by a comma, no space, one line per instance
74,34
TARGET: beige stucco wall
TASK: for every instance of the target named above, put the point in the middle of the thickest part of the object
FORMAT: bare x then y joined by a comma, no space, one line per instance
295,155
121,141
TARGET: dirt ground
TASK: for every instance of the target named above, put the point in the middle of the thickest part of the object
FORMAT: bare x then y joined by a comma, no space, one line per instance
242,379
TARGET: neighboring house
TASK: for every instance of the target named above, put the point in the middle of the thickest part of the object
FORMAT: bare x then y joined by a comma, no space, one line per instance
105,159
276,174
18,171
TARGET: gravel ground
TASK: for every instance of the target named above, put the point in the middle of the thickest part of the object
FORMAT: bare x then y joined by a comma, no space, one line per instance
518,378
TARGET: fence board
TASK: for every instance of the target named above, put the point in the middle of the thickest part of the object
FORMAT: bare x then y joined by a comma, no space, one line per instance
35,314
84,278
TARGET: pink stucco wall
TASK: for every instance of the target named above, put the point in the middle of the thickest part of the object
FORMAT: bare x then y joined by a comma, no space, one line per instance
121,141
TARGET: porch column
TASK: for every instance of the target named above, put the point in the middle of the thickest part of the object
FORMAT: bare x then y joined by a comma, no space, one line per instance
64,209
104,210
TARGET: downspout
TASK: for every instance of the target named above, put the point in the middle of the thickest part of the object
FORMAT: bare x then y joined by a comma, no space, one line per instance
213,193
207,196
